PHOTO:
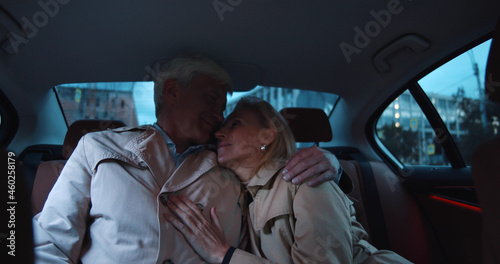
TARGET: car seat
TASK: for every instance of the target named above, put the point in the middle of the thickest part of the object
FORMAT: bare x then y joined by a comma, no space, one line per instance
48,171
367,183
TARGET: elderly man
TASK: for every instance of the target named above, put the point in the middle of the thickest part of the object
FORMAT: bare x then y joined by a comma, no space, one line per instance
108,203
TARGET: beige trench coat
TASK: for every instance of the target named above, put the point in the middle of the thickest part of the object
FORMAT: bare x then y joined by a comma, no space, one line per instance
301,224
108,203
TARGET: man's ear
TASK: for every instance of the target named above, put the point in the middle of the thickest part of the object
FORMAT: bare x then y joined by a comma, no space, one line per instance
171,89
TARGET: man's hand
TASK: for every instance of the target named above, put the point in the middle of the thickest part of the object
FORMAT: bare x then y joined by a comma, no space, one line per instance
312,164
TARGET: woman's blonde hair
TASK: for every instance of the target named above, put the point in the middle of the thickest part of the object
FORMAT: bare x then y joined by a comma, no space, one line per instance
283,145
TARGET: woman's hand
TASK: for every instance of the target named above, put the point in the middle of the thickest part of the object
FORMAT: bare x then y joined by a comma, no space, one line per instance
206,238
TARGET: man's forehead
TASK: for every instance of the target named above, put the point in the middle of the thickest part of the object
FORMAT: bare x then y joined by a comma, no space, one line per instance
208,83
219,91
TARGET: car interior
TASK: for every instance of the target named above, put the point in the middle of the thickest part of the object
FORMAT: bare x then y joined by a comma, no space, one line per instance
402,92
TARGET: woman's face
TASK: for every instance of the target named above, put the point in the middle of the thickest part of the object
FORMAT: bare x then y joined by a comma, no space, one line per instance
240,139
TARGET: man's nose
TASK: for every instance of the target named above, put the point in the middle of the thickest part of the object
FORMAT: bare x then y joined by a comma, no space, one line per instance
219,115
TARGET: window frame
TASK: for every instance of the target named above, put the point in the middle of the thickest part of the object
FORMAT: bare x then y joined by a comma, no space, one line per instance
9,122
430,112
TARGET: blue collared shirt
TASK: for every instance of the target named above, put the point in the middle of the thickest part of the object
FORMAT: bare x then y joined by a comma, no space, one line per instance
180,157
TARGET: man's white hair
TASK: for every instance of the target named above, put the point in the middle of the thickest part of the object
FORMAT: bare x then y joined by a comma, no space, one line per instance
184,69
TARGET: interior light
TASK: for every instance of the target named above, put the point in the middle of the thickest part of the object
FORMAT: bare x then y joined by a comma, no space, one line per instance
455,203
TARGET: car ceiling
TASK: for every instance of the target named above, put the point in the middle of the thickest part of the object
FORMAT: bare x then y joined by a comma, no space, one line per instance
291,44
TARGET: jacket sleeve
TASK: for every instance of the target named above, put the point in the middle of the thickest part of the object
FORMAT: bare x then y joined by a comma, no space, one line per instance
60,227
322,225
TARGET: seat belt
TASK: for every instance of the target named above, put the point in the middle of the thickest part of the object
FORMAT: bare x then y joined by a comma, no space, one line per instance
373,207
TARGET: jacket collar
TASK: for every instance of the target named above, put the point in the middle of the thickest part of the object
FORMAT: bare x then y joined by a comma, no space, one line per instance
193,167
152,152
263,176
162,165
269,196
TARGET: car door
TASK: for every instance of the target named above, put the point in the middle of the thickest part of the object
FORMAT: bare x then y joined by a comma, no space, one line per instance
428,133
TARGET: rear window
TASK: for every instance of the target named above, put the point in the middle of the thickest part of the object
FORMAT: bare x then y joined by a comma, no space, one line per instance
132,102
280,98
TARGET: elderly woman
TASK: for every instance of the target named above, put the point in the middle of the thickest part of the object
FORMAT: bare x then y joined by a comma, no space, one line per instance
286,223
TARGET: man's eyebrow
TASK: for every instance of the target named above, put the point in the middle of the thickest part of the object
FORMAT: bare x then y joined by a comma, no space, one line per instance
219,93
216,93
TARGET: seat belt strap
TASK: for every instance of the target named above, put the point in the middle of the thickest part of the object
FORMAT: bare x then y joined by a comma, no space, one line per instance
373,207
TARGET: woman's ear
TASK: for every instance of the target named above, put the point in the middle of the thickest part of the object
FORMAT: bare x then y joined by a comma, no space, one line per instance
268,135
171,90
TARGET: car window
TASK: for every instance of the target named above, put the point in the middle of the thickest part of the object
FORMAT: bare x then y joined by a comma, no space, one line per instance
132,102
456,91
280,98
407,134
460,99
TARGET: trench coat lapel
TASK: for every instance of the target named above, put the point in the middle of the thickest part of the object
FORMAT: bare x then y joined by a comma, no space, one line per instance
193,167
152,152
271,200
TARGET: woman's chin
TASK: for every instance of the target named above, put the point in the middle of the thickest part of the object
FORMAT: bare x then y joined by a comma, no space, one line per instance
227,163
222,161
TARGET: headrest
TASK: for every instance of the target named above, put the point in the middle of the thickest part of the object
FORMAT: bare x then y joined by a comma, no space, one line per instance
492,81
81,127
308,124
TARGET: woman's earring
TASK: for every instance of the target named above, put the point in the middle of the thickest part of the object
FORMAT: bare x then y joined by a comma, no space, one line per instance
263,148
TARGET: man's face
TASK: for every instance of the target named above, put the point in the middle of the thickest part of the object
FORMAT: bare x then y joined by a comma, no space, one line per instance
199,109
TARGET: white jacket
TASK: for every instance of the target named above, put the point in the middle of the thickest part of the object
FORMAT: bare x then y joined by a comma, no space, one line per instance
107,205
